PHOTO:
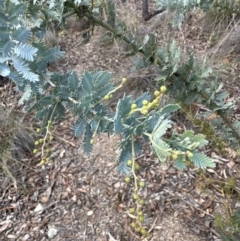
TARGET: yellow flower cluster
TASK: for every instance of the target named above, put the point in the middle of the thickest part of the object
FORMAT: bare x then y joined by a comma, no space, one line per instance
146,105
41,144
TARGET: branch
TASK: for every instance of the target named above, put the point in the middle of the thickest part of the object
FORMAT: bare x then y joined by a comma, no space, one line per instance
136,48
222,115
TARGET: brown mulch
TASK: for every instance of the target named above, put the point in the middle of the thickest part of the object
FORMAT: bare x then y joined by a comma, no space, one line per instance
80,197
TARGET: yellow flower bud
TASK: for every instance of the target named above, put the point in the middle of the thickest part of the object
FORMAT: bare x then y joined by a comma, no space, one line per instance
156,93
124,80
163,89
106,97
174,156
127,179
145,102
134,106
144,111
189,154
42,162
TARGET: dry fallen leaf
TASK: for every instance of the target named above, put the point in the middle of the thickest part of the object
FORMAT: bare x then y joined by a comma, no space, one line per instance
39,208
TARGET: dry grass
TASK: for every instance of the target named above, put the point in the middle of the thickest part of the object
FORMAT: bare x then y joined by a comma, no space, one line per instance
16,144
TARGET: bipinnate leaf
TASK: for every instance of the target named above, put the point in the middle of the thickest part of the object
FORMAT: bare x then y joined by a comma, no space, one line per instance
73,82
161,148
79,126
202,161
87,82
87,146
25,51
168,109
181,163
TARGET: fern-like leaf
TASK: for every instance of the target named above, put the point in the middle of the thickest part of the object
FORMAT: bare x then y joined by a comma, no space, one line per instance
59,112
73,82
126,154
200,138
140,99
103,91
123,108
123,168
53,54
25,51
26,95
111,12
161,148
7,47
79,126
87,82
4,70
22,35
200,160
17,79
24,69
15,10
168,109
87,146
102,78
161,127
181,163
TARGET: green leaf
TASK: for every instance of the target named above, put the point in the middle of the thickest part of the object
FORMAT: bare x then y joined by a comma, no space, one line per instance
25,51
26,95
45,101
103,91
64,92
22,34
16,78
59,112
123,108
86,82
200,160
42,113
168,109
188,133
4,70
79,126
7,48
24,69
180,163
102,79
125,155
161,127
16,10
111,13
87,146
139,129
73,82
161,148
139,100
85,102
53,54
3,19
200,138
